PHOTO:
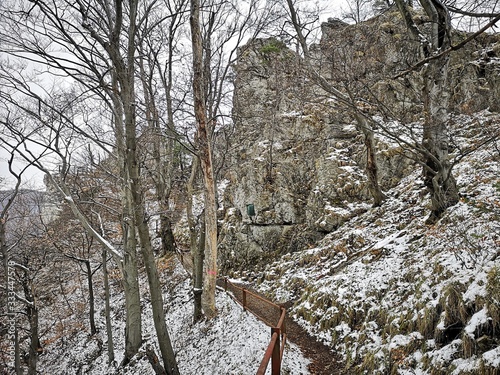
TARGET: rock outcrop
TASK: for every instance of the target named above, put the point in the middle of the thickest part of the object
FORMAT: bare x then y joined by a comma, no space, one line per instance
296,155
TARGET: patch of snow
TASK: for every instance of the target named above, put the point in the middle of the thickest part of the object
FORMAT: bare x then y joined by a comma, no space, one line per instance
478,319
234,342
492,358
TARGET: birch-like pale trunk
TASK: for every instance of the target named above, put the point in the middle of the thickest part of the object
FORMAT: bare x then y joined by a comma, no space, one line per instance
205,155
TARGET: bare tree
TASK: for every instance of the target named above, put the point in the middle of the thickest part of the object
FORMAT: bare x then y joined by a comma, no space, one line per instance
7,199
214,44
205,155
347,99
27,282
83,242
435,45
158,49
107,308
358,10
94,36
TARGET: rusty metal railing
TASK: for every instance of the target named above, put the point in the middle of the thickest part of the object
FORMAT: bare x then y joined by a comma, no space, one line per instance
276,347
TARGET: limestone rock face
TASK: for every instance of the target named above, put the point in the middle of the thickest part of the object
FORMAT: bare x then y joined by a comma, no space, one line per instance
296,154
370,54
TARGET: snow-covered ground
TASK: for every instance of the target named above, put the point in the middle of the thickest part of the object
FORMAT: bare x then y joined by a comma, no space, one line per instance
397,296
390,293
232,343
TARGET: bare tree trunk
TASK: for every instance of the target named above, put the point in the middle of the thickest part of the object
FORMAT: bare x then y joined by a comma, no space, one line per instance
140,220
198,258
155,289
135,214
371,161
35,347
133,323
93,329
205,155
162,150
437,171
153,360
189,205
197,246
166,233
372,170
139,216
438,176
107,308
130,276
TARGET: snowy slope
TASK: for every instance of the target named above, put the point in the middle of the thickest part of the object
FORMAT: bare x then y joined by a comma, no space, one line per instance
232,343
394,295
391,294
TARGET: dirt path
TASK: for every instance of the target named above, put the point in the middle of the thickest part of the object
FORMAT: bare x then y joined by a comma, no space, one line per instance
323,360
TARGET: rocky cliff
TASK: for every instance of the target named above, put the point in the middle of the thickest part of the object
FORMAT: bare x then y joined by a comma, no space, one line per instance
297,158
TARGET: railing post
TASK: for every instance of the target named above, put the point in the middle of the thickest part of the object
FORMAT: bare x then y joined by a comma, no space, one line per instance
276,357
225,284
244,291
283,327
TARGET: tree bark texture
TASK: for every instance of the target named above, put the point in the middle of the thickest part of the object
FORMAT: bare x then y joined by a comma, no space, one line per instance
166,233
162,150
371,161
198,258
437,172
35,347
205,155
438,176
17,353
196,245
140,221
93,329
126,80
130,277
153,360
107,308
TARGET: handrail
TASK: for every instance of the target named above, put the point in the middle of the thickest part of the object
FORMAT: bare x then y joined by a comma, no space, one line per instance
276,347
275,338
274,351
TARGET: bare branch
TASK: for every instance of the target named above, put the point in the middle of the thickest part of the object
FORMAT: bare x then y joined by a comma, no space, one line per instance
450,49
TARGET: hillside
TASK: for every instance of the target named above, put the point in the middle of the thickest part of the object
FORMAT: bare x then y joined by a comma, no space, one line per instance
232,343
394,295
357,184
390,292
